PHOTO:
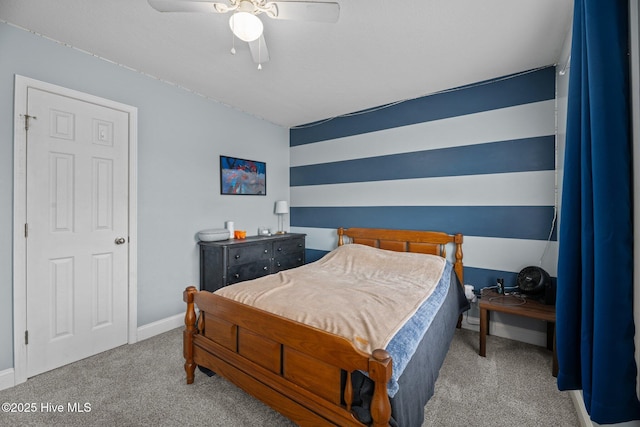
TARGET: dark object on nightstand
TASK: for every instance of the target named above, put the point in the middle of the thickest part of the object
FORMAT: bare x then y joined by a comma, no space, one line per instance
536,283
226,262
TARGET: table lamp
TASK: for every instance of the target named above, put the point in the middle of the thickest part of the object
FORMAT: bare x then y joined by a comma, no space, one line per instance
281,209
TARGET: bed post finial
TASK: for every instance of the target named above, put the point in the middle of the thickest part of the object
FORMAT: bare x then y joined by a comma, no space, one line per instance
459,267
189,331
340,236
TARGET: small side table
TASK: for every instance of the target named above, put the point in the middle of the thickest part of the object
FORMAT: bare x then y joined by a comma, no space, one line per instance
492,301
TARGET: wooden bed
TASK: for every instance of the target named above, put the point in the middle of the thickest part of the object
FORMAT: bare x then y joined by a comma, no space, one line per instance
296,369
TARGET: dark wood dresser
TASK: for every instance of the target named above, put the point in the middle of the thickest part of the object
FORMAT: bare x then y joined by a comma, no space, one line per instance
230,261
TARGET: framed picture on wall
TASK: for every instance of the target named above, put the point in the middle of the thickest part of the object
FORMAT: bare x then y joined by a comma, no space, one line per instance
242,176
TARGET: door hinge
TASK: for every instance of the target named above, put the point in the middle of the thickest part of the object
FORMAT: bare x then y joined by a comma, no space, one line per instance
26,230
26,337
26,120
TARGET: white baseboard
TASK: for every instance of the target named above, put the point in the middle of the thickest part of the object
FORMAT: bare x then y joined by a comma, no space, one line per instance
7,379
583,415
507,331
581,410
161,326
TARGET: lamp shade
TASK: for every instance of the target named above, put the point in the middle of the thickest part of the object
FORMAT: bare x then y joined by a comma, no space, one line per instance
246,26
282,207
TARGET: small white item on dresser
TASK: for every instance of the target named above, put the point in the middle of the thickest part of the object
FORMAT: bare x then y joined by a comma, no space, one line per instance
213,235
229,226
264,231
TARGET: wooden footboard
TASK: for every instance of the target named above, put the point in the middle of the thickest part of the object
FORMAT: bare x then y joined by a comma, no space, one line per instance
295,369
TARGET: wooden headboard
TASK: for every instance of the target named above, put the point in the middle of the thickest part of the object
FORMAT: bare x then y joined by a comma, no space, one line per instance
426,242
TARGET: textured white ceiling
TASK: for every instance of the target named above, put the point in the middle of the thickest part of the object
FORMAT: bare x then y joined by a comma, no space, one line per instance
379,51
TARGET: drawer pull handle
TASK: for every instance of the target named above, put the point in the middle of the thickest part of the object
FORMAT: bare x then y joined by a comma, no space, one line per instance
266,251
265,268
279,249
237,276
237,256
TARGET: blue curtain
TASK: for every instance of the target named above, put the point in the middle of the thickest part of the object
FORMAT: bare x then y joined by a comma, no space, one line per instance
595,328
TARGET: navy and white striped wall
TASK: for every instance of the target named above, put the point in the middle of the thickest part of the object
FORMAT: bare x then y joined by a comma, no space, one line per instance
477,160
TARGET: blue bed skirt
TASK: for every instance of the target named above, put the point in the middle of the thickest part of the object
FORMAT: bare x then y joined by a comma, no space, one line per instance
417,381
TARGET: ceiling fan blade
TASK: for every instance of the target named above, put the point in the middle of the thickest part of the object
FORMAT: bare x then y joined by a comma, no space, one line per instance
304,11
189,6
259,51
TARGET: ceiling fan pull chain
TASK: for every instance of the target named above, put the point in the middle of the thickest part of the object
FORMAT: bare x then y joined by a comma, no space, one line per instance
259,54
233,40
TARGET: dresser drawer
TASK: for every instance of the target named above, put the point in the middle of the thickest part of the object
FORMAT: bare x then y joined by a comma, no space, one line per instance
290,261
253,270
243,254
286,247
288,254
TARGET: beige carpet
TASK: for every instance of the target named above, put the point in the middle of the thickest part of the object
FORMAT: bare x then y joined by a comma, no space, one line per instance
512,386
144,385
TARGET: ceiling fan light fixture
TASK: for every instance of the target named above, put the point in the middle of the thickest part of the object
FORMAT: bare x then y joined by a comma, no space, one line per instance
246,26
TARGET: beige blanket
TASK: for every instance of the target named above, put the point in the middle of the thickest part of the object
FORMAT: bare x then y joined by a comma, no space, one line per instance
357,292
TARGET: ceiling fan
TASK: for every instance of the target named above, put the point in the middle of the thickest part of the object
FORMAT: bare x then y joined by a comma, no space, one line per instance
244,21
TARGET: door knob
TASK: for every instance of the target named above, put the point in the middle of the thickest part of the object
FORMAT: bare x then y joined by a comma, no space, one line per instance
120,240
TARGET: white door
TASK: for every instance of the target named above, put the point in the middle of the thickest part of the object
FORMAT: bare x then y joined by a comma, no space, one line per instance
77,231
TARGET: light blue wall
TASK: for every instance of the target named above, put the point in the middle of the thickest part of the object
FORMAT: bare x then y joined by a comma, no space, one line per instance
477,160
180,138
